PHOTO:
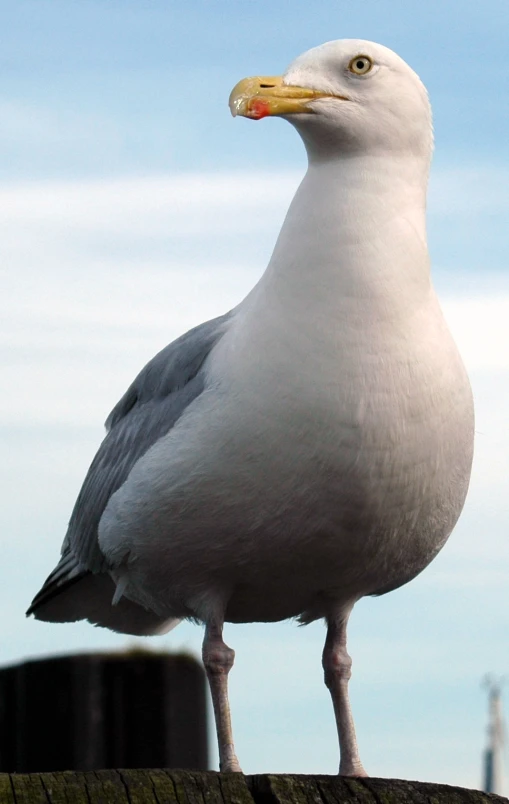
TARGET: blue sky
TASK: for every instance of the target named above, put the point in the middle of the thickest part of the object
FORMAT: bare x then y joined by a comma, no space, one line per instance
132,206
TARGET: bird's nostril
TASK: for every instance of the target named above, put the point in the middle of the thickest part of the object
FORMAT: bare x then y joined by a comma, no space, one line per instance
267,86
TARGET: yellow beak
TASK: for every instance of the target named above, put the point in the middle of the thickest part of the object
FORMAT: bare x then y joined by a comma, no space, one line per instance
260,96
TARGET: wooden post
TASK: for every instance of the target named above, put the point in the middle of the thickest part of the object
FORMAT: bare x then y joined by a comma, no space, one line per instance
94,711
187,787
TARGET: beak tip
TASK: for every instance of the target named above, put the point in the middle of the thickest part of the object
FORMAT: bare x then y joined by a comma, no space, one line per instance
235,105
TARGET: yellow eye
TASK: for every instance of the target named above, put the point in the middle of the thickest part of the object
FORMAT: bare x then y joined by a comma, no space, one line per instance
360,65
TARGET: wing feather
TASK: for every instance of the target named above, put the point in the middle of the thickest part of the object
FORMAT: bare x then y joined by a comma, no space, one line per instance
151,406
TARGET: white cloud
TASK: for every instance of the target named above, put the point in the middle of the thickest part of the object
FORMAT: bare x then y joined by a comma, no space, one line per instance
481,328
87,280
36,125
468,190
174,205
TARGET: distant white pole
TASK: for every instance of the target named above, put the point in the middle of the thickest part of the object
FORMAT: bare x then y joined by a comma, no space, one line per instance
493,755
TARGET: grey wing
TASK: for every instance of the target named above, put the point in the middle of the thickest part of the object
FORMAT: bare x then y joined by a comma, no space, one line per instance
147,411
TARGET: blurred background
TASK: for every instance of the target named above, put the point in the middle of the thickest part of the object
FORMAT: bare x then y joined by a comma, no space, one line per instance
132,207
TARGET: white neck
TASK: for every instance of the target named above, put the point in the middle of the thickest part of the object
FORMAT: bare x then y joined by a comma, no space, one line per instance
355,229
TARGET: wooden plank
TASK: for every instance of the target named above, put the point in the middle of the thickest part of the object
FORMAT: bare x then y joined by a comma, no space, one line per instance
162,786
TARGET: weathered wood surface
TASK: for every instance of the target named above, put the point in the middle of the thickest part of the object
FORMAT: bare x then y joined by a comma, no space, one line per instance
195,787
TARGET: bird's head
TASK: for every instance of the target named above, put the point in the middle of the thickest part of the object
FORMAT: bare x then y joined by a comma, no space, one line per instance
345,97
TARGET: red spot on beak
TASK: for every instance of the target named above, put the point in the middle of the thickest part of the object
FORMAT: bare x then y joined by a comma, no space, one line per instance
258,108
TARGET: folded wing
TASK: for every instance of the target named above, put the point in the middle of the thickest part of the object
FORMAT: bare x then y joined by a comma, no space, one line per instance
148,410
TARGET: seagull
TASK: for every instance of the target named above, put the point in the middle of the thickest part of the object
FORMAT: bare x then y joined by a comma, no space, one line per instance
313,445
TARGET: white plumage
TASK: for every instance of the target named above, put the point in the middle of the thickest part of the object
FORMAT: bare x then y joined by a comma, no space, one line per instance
312,446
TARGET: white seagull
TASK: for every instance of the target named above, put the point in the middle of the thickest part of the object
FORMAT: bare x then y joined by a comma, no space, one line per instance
314,444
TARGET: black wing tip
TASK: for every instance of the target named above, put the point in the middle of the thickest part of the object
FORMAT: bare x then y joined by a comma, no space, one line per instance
51,590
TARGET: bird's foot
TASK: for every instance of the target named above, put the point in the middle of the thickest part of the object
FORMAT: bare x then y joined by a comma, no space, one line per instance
231,765
228,762
352,768
234,767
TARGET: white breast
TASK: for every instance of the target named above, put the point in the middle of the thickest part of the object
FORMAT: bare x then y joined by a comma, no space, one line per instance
331,452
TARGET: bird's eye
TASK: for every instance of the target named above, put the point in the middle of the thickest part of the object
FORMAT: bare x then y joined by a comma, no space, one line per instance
360,65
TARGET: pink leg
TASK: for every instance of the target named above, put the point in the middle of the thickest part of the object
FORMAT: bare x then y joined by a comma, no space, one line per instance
218,660
337,666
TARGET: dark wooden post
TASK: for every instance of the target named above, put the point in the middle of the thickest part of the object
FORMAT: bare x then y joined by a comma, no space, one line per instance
187,787
94,711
